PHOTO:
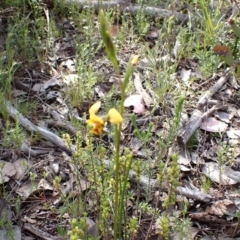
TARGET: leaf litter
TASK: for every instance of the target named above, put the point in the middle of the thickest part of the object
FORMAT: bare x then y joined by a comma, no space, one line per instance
56,162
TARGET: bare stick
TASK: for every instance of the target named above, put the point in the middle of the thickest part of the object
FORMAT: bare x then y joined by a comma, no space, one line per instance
214,89
131,8
33,128
146,182
39,233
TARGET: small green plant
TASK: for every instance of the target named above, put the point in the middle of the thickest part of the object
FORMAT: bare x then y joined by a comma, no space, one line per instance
143,136
210,20
142,22
206,183
173,175
7,226
164,226
18,206
28,108
13,135
222,151
183,226
133,227
78,229
56,183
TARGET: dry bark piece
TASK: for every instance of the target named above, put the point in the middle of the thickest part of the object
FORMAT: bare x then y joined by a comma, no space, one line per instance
146,182
31,187
42,87
184,157
224,116
92,228
214,89
192,125
51,123
44,184
68,186
185,74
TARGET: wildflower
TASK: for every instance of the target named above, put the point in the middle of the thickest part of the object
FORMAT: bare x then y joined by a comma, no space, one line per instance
114,116
134,61
94,108
95,121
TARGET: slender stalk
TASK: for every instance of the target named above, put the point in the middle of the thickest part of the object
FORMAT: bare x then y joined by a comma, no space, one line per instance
117,169
117,213
122,196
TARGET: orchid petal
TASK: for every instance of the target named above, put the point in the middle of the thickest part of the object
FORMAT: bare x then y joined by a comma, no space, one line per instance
114,116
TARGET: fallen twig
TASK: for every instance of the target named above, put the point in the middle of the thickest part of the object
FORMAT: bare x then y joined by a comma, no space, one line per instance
32,152
61,125
39,233
33,128
133,9
146,182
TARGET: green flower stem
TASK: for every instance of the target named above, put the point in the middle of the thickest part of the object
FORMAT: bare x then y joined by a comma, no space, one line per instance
117,211
122,195
119,189
117,183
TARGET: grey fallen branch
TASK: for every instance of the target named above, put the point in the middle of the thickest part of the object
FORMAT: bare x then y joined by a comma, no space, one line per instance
33,152
198,114
39,233
142,180
146,182
34,128
133,9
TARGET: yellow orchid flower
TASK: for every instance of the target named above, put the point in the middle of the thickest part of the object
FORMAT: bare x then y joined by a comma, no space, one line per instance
94,108
114,116
134,61
95,121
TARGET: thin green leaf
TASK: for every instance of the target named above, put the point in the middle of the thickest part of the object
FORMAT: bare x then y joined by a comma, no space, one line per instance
110,49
